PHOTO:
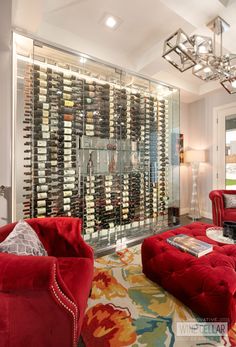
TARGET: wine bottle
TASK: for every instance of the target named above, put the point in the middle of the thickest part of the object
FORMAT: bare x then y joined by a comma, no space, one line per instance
40,75
40,83
90,165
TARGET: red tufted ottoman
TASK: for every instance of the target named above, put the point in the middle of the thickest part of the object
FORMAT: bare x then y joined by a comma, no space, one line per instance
207,284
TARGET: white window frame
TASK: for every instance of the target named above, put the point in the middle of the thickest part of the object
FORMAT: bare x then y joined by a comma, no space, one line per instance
218,144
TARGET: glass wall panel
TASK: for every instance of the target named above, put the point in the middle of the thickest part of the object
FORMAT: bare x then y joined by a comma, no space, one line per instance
23,99
98,143
230,152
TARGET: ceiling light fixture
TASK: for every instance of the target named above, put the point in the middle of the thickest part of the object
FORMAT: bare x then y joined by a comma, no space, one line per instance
203,55
110,21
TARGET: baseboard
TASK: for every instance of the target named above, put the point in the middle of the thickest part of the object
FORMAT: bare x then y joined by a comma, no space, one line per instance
206,214
184,210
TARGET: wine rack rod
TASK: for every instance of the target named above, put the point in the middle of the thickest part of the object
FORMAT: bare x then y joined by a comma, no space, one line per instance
161,95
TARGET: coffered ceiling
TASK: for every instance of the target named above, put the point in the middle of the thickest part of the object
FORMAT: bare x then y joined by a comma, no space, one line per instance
138,42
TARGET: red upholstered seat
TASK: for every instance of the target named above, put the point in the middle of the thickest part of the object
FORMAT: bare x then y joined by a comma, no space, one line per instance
219,212
207,284
43,299
230,214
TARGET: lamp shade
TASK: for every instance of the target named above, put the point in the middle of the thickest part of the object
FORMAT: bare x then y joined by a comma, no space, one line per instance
195,156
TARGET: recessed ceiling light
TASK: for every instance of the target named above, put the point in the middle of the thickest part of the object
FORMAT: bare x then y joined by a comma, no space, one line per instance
110,21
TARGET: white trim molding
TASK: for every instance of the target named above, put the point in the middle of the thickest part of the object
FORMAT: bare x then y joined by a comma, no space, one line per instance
206,214
218,147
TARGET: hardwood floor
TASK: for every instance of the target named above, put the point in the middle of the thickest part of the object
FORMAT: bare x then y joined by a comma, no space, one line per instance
184,220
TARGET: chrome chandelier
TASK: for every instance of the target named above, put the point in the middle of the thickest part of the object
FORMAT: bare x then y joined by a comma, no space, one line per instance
203,55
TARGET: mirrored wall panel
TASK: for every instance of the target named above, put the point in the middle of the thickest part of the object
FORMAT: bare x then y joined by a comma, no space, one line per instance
96,142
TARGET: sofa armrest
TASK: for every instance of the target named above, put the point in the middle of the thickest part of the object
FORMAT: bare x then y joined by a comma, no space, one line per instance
25,272
216,197
29,279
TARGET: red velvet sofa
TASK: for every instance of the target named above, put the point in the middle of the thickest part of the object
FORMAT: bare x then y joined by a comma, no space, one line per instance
43,299
207,284
219,212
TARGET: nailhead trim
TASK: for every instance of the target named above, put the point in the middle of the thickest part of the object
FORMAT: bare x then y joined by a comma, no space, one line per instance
70,301
74,314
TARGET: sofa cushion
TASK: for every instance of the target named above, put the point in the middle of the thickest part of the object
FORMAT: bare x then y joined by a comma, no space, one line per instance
230,200
23,240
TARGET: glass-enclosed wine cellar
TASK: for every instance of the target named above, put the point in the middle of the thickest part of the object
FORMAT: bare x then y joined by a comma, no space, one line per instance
93,141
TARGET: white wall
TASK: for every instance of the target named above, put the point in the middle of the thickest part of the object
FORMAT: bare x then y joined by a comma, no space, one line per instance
200,136
233,147
5,108
184,169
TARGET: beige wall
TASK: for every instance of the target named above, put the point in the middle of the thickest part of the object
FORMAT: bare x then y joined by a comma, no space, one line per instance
5,106
200,136
184,169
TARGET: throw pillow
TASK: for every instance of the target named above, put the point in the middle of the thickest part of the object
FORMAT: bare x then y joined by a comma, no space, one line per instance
230,200
23,240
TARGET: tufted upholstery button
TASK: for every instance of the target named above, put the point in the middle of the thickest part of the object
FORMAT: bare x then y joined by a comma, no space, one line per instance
206,284
163,249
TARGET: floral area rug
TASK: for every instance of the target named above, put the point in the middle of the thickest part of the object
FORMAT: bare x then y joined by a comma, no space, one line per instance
127,309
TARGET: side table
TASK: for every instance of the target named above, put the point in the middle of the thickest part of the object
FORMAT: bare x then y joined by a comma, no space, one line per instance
216,233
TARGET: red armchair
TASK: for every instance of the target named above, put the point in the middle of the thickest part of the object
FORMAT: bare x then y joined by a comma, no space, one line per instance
219,212
43,299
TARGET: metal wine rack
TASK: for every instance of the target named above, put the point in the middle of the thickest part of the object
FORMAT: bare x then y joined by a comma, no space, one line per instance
96,149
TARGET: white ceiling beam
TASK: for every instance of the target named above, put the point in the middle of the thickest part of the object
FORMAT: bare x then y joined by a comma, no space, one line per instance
196,12
60,36
174,80
208,87
34,11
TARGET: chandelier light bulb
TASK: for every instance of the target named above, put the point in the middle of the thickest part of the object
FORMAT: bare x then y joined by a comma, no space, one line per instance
234,84
202,49
198,66
207,69
182,46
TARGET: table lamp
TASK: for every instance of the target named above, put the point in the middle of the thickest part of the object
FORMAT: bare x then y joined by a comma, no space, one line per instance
195,157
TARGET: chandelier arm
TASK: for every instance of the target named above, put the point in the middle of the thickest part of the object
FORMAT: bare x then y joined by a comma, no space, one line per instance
221,43
214,43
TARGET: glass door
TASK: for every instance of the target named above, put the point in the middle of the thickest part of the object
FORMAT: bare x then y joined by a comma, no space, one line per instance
224,153
230,152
